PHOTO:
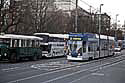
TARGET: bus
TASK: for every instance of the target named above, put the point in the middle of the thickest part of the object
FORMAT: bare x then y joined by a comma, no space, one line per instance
52,44
16,47
85,46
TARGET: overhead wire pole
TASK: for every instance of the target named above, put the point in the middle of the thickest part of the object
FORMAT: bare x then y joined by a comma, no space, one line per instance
116,28
91,17
100,29
76,17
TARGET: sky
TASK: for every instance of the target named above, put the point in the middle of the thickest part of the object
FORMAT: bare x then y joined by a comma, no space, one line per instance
111,7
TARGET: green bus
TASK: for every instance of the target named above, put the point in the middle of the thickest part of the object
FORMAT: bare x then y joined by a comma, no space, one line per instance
16,47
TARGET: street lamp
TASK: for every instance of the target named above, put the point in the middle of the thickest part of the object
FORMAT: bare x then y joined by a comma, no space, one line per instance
100,28
107,29
76,17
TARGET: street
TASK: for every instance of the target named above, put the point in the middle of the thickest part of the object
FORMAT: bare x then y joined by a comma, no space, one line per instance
59,70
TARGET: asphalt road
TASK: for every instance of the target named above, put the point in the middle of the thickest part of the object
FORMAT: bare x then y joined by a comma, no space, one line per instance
59,70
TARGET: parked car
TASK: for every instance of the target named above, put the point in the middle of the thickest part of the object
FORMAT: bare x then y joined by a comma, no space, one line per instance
117,50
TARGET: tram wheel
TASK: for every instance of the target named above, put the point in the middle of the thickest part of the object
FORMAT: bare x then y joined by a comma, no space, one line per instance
90,58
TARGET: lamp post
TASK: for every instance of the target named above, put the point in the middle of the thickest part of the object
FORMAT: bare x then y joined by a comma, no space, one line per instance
76,17
107,29
100,28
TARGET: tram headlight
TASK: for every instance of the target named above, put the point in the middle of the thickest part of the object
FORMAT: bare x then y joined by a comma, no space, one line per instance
5,54
78,54
70,54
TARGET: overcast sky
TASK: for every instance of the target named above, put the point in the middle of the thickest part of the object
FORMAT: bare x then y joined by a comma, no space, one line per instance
111,7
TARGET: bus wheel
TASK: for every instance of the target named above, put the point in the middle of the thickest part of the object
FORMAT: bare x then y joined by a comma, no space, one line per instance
13,57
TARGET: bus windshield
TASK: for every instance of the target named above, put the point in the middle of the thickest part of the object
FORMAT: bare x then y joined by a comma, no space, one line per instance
75,45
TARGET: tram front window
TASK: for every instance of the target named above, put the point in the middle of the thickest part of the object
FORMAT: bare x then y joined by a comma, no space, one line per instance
75,46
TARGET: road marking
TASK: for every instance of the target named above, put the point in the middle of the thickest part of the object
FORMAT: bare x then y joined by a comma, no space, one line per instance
80,78
10,68
98,74
94,70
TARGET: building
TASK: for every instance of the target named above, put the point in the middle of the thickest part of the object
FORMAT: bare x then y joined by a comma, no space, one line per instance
65,5
105,23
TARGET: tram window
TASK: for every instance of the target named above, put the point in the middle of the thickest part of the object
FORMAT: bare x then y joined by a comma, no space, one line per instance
15,43
33,43
84,46
37,43
22,43
91,47
28,43
104,47
75,46
18,43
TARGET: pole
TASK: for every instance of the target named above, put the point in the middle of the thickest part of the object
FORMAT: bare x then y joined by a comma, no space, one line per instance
100,29
116,31
76,17
116,28
91,18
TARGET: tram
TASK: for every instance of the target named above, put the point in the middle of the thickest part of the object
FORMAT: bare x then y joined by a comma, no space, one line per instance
15,47
85,46
52,44
123,44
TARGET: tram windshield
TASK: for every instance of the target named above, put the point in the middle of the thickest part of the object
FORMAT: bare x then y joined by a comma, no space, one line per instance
75,45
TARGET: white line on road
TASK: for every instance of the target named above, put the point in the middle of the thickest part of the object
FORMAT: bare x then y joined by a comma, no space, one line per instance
98,74
10,68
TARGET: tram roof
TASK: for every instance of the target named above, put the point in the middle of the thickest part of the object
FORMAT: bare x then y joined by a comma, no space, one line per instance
13,36
90,35
105,37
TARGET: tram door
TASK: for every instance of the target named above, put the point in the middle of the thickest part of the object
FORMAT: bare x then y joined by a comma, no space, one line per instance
92,49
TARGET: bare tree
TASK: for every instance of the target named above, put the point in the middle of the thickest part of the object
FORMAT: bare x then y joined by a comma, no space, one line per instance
11,16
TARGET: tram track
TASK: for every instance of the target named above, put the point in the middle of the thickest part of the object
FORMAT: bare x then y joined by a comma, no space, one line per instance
96,68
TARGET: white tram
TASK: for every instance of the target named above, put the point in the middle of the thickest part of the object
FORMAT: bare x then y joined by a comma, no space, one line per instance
85,46
53,44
